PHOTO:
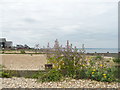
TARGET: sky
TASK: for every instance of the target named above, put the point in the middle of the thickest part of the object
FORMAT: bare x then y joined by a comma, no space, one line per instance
90,22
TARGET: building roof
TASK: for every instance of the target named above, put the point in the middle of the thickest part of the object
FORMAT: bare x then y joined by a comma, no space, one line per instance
2,40
8,41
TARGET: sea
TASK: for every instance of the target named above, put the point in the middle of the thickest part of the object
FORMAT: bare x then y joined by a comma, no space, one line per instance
101,50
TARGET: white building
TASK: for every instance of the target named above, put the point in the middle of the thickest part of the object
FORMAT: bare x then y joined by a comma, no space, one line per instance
4,43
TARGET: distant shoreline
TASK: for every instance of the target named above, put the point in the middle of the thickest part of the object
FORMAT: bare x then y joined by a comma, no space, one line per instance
101,50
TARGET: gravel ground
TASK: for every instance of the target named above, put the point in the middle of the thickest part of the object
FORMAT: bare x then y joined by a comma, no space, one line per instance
70,83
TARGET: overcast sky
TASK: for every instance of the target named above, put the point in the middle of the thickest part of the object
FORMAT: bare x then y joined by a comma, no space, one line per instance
90,22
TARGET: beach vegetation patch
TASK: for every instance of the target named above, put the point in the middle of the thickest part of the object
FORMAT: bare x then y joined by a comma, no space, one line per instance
71,62
116,60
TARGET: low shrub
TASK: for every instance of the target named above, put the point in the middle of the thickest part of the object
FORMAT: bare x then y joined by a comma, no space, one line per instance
37,75
116,72
116,60
98,58
101,74
22,52
4,75
81,74
52,75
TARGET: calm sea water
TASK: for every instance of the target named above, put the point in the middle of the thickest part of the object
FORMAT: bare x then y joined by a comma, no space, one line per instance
101,50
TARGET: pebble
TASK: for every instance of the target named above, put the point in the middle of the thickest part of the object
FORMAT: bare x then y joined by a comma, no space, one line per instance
21,82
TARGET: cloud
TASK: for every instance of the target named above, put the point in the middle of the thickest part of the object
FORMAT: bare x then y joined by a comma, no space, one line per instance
42,21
